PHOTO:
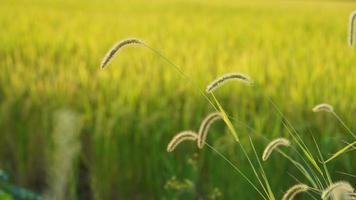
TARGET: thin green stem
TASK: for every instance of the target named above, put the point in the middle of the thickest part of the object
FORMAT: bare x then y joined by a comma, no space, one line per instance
270,192
322,159
253,169
226,119
236,168
180,71
343,123
299,167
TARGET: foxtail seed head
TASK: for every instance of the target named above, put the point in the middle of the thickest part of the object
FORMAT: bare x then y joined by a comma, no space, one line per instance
273,145
179,138
339,190
293,191
204,127
351,37
115,49
323,107
225,78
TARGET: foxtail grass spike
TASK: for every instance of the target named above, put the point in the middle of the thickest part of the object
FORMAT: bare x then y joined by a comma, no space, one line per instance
351,36
204,127
115,49
225,78
181,137
341,189
273,145
293,191
323,107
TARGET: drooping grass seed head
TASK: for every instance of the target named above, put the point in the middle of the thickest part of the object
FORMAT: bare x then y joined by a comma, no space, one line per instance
339,190
273,145
226,78
323,107
181,137
351,36
115,49
204,127
293,191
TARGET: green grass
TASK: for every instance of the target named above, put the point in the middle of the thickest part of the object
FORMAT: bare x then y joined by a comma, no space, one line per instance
50,52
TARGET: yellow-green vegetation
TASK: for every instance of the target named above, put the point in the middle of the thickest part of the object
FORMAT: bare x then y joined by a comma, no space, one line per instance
295,52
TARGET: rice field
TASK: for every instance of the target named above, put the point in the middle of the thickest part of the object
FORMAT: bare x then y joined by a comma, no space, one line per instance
71,130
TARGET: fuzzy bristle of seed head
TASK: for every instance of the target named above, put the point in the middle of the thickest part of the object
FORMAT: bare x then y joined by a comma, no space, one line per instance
351,36
225,78
115,49
204,127
342,186
273,145
294,190
323,107
179,138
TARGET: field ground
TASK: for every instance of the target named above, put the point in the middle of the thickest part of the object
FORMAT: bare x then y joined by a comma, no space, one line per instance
295,51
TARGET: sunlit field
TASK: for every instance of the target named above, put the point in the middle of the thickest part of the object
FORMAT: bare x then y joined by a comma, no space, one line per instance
71,130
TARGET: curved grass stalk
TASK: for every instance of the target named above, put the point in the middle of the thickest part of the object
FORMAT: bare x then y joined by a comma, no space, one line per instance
217,108
236,169
180,71
176,67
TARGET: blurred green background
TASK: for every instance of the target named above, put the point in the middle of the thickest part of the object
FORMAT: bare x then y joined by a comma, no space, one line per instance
67,127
